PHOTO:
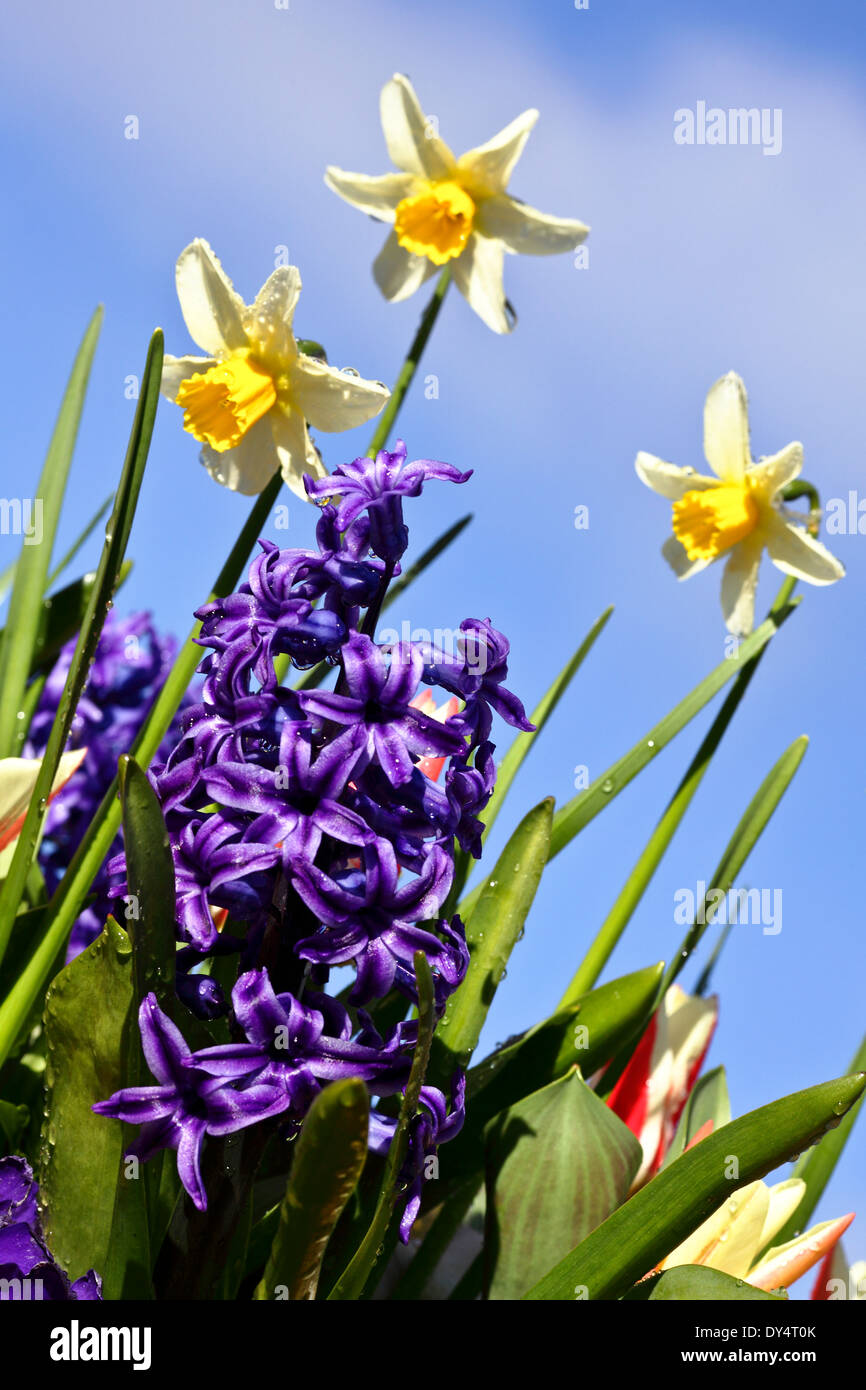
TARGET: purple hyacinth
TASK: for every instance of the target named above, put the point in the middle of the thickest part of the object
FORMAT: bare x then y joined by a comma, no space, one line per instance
28,1270
307,835
132,661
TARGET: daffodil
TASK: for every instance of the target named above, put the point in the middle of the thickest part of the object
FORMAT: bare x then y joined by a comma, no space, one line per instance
250,400
738,513
732,1239
449,211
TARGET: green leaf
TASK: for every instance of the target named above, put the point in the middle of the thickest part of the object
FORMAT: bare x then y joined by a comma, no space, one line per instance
816,1167
67,901
13,1122
749,830
708,1100
660,1215
496,927
588,1033
513,760
61,617
576,815
92,1213
81,540
329,1157
150,898
17,1005
635,886
31,571
697,1284
353,1280
558,1163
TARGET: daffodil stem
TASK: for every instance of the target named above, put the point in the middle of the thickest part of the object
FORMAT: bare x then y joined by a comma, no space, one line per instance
636,884
410,365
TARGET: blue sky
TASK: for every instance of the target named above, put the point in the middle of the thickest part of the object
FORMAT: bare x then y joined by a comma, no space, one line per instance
701,260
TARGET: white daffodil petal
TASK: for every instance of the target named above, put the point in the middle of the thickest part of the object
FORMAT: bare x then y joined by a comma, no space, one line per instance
726,428
297,453
397,272
333,400
250,465
375,194
212,310
795,552
268,322
675,553
489,166
178,369
775,472
478,277
739,585
667,479
526,231
412,141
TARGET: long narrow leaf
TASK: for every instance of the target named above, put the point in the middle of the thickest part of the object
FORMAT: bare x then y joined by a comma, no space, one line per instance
16,1006
31,571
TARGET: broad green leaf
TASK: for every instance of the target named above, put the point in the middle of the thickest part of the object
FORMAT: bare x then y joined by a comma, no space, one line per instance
31,570
697,1284
495,929
659,1216
587,1034
708,1101
116,538
66,902
816,1167
150,899
329,1157
557,1164
94,1215
353,1280
513,760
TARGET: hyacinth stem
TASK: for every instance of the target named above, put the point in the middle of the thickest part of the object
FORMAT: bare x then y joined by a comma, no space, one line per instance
635,885
410,365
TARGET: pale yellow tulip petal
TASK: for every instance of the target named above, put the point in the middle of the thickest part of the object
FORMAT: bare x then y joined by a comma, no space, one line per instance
785,1197
727,1240
17,781
786,1263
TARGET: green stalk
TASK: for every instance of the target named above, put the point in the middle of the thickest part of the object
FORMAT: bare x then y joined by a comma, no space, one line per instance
410,365
636,884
